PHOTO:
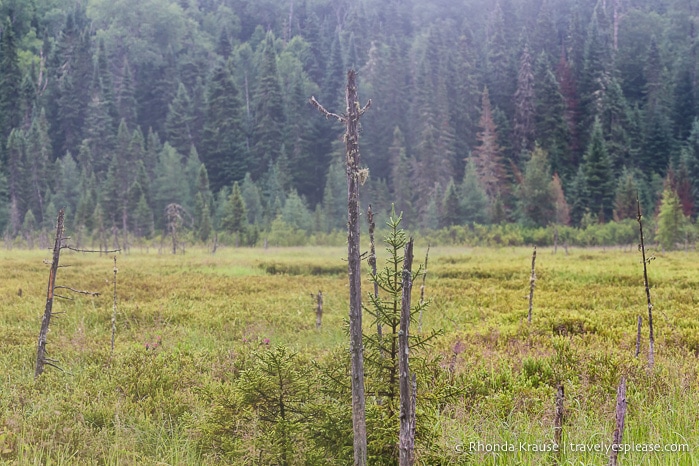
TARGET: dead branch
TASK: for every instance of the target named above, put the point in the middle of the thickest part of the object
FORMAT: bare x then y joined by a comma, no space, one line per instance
89,293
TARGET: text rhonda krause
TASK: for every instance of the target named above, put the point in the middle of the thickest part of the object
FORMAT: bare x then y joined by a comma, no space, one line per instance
479,447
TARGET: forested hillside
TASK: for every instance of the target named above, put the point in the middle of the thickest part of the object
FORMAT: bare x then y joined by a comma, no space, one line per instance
531,111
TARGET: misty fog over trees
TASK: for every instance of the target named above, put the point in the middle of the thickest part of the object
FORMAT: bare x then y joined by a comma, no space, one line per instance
531,111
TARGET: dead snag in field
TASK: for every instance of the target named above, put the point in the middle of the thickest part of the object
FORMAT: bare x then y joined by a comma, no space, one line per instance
532,284
114,305
175,214
372,264
620,418
41,358
422,291
558,423
642,247
319,308
406,438
638,336
355,177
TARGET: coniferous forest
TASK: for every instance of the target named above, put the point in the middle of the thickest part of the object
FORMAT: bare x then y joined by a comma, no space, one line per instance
537,112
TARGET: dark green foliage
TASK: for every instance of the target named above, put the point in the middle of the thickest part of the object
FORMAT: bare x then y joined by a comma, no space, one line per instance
233,80
269,111
671,220
381,354
179,121
536,196
234,218
10,81
474,201
599,178
223,151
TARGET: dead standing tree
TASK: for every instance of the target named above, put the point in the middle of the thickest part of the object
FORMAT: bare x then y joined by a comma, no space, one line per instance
355,177
406,437
174,214
41,353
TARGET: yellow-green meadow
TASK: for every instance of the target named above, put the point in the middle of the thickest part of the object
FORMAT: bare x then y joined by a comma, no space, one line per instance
200,339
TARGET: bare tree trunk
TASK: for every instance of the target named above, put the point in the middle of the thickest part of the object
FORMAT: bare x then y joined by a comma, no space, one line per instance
558,422
406,439
620,418
532,284
651,337
372,264
355,177
422,291
114,305
555,240
638,336
41,347
319,309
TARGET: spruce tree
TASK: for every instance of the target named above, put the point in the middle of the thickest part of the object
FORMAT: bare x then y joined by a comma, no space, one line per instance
524,128
671,220
451,206
269,111
234,217
10,82
536,204
553,133
599,177
178,123
487,156
474,201
223,149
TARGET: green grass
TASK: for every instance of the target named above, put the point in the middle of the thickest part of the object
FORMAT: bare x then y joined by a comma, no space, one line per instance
211,313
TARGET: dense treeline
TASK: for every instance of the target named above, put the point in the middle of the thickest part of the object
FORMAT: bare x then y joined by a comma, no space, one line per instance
535,111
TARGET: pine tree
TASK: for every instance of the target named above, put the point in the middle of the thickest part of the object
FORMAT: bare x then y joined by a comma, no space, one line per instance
16,170
474,201
560,204
451,206
179,120
671,220
335,195
171,182
38,163
627,192
253,200
599,177
234,217
125,97
578,196
269,111
536,198
223,151
295,213
487,157
553,134
10,82
524,124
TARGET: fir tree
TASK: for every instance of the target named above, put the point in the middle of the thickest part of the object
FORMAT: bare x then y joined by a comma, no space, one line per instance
10,82
178,123
487,156
474,201
524,99
599,177
223,151
269,111
536,197
234,215
553,134
451,206
671,220
627,192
